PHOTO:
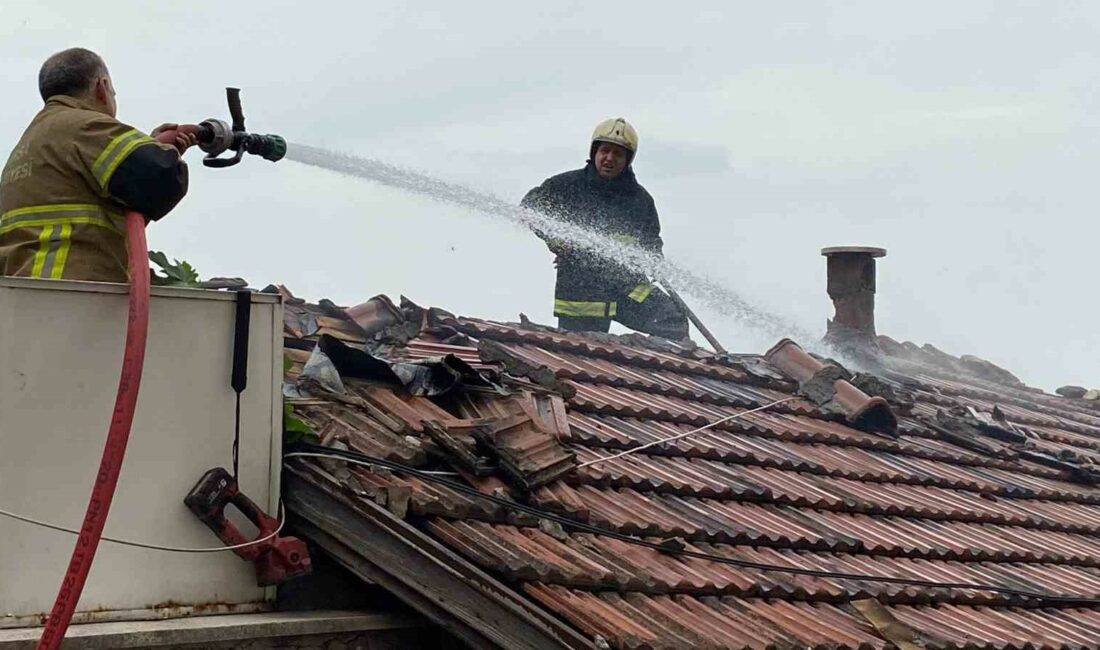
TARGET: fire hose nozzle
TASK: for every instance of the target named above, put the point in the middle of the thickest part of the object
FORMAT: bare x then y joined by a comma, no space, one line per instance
269,147
217,136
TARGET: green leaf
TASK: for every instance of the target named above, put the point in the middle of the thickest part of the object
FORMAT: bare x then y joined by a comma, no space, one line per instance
176,273
295,429
158,258
291,437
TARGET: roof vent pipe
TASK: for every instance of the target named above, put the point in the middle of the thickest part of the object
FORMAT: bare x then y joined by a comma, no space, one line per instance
851,285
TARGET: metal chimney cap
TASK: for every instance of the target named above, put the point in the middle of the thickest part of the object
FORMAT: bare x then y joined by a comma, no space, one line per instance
865,250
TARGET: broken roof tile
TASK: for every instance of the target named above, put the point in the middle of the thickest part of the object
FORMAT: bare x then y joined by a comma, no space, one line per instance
529,455
791,486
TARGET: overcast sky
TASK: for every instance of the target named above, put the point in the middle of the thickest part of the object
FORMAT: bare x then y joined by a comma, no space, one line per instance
961,136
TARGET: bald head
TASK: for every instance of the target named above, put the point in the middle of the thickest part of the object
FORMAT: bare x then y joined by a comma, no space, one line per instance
70,72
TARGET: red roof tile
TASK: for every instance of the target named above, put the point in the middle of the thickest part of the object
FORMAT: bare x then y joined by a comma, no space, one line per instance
793,486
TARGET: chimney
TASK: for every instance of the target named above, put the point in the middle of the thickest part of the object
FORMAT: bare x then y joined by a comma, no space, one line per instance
851,285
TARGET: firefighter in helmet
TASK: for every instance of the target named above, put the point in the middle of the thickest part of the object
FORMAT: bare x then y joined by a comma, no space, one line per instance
605,197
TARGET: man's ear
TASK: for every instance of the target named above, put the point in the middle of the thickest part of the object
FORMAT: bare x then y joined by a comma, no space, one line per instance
99,89
104,94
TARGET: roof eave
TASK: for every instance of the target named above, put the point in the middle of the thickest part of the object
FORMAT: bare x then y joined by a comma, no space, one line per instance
378,547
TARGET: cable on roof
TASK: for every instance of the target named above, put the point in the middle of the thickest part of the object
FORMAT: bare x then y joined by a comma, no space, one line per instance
686,433
305,450
155,547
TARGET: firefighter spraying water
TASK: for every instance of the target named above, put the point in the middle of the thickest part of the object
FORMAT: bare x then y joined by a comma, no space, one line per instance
605,196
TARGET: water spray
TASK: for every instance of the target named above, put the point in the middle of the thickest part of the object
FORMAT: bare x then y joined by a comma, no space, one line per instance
722,299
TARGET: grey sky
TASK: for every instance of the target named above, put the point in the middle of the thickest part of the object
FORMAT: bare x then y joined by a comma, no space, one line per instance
961,136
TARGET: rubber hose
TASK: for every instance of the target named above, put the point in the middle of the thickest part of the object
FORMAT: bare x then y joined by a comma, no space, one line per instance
103,491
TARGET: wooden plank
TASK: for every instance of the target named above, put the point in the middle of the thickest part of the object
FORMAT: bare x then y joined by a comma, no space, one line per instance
351,560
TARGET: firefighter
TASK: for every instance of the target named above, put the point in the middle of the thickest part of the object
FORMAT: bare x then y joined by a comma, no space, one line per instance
74,171
604,196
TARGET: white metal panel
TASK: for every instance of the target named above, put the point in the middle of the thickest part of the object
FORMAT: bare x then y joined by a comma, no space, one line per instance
60,353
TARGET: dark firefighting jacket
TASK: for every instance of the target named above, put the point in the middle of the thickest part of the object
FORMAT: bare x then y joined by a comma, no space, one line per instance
66,185
589,284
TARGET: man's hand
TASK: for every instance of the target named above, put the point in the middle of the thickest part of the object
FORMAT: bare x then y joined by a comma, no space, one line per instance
183,141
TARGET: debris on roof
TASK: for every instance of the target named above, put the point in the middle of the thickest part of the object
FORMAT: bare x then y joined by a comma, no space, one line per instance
828,387
931,359
982,493
1072,392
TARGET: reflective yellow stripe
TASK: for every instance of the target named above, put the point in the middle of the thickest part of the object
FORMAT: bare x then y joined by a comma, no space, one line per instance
56,234
53,207
104,158
641,292
115,152
587,308
50,215
62,254
130,146
99,221
624,238
43,250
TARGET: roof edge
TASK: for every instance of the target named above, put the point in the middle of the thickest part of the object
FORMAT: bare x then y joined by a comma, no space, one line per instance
376,546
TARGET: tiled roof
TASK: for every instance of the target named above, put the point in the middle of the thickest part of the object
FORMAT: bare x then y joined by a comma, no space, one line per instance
983,481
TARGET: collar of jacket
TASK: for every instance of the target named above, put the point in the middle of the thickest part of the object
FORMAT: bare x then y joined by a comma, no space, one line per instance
72,102
623,182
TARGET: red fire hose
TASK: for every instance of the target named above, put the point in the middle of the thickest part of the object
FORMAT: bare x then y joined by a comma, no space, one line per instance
118,434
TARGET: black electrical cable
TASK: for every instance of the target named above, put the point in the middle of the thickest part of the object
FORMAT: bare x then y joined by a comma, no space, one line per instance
581,526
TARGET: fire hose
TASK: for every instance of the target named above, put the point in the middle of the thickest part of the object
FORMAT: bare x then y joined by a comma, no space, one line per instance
214,137
118,434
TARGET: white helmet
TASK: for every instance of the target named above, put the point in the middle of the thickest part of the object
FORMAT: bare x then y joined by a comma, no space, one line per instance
616,131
